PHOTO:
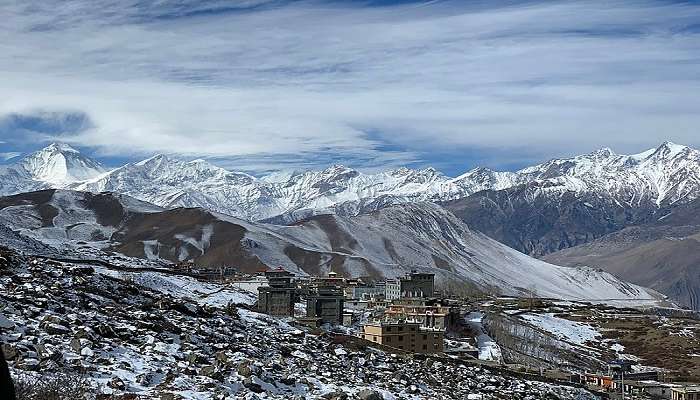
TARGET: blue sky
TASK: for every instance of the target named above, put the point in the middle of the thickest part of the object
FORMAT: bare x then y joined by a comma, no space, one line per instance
261,85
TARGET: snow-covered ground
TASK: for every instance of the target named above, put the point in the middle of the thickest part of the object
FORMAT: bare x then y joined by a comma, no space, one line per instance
212,294
489,350
574,332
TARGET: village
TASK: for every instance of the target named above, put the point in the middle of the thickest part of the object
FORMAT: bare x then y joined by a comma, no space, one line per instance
407,315
293,336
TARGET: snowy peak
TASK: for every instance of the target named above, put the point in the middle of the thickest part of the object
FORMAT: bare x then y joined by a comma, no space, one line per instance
155,160
60,163
670,150
663,175
605,152
57,147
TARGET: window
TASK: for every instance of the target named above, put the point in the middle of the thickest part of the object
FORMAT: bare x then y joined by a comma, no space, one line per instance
388,329
425,347
388,339
400,338
425,337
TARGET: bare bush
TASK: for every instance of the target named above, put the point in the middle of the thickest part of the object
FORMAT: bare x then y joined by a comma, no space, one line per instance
53,386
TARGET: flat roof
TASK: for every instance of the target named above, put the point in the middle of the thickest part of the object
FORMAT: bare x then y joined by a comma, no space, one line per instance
687,389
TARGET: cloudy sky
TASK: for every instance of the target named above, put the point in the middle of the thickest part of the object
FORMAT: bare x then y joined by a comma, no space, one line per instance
264,85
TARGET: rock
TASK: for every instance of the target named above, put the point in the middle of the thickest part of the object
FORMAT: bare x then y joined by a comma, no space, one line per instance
251,385
10,351
208,370
56,329
116,383
6,323
246,369
340,352
86,352
221,357
339,395
106,331
368,394
75,345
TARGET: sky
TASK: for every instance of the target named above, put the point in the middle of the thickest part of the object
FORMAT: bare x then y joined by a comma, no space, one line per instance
263,85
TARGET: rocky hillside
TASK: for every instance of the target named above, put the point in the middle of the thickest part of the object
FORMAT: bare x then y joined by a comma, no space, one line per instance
116,332
541,218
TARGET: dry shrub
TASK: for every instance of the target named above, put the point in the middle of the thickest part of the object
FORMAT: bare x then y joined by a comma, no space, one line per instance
53,386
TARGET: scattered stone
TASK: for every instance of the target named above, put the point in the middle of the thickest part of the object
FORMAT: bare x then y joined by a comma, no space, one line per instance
129,335
367,394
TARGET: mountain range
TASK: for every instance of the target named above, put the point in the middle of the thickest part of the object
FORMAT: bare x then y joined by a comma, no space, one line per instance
562,211
648,180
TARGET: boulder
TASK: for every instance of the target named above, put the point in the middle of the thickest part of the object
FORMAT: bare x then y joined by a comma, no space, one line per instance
10,351
251,385
368,394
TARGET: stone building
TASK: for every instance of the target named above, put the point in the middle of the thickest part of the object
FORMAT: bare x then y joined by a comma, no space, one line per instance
427,315
405,335
278,297
368,291
417,284
392,289
326,303
691,392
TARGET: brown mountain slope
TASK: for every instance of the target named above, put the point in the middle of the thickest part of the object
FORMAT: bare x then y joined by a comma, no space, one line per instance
663,255
538,218
386,243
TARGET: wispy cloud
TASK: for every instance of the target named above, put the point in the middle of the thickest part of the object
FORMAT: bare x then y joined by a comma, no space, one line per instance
306,83
9,155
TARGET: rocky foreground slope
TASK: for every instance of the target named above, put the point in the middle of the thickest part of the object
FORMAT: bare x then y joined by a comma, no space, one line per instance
130,332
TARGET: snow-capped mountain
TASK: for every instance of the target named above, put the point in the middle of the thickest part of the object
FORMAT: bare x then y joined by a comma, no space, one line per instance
386,243
564,203
665,175
57,165
60,164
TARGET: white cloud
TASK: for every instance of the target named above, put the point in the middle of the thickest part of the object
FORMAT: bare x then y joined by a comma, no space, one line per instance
313,78
9,155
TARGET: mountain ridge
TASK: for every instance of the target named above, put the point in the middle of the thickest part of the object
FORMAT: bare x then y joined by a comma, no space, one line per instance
665,175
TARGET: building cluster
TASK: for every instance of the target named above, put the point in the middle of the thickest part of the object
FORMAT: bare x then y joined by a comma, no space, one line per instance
399,313
620,378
